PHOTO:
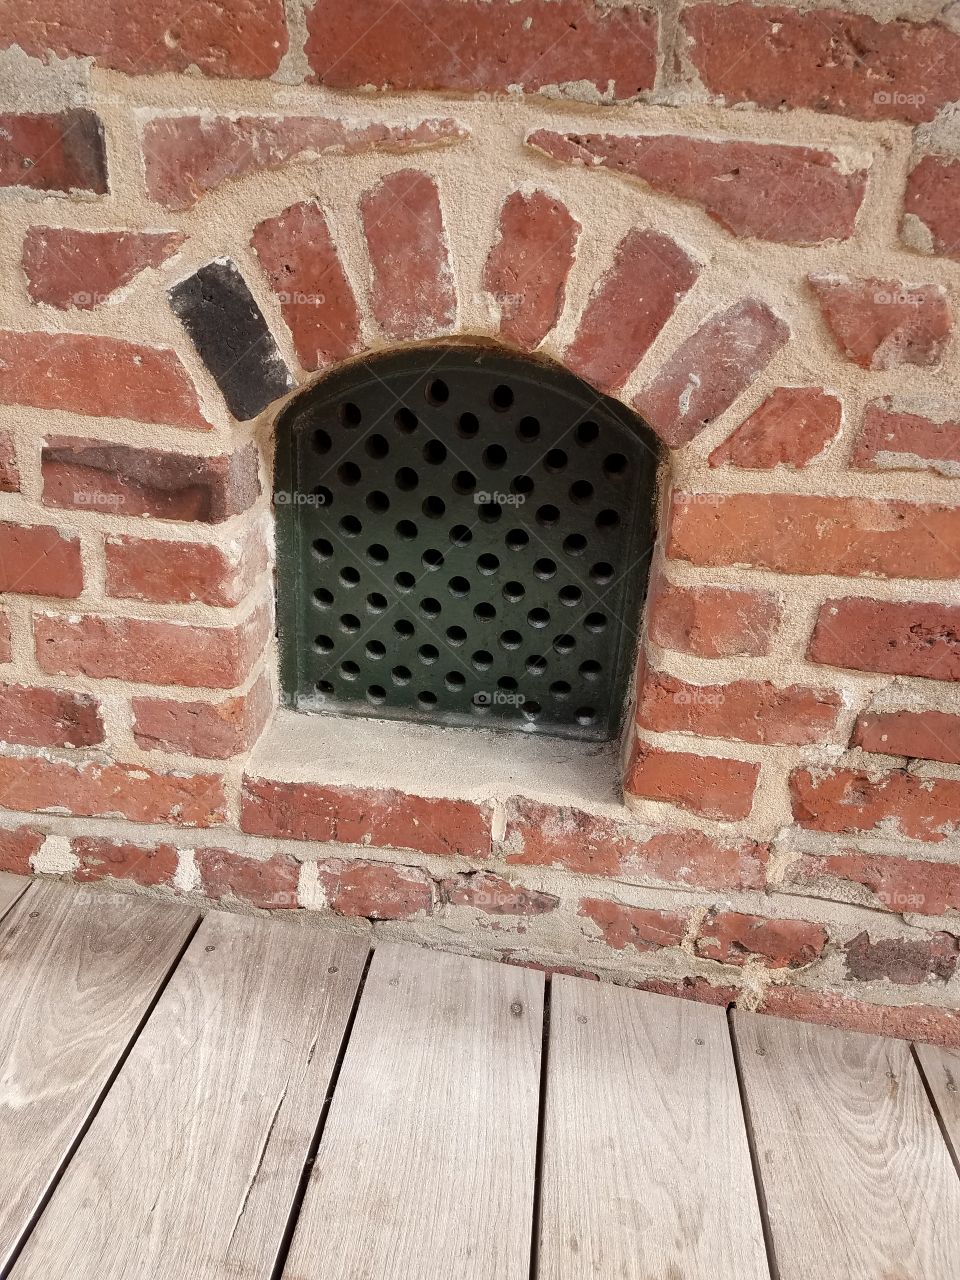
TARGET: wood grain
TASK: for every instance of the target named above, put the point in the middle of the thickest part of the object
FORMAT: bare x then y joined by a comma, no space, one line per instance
857,1178
426,1168
646,1167
11,888
78,972
941,1067
193,1162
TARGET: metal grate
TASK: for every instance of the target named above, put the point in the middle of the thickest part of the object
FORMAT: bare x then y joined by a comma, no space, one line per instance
463,538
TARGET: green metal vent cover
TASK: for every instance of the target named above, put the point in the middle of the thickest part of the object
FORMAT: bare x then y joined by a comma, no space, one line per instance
463,538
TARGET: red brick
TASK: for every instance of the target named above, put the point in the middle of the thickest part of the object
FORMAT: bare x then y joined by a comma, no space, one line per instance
707,785
484,46
894,441
550,835
17,846
54,152
356,815
496,896
301,261
901,885
6,640
375,890
182,572
268,883
37,785
187,156
38,717
800,533
708,371
98,377
91,475
795,195
150,651
847,801
791,428
212,730
730,937
825,59
883,324
712,622
68,268
895,637
902,960
922,735
237,38
747,710
36,560
120,860
933,199
642,928
690,988
926,1023
649,276
413,293
9,474
527,268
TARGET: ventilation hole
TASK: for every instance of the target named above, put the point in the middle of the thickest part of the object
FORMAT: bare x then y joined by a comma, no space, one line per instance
586,715
454,680
501,398
536,665
581,491
607,519
544,568
482,659
484,612
323,549
349,473
350,526
560,689
601,572
555,460
433,507
350,414
428,653
507,684
406,530
324,686
459,587
456,635
349,576
404,628
435,452
595,622
517,539
547,515
376,694
490,512
323,496
480,704
564,644
430,608
378,553
323,597
350,623
406,421
511,639
464,482
531,709
575,544
468,424
378,502
321,442
514,591
538,618
426,698
614,464
323,644
521,485
437,392
494,456
570,595
405,581
406,479
376,602
401,675
590,670
488,563
376,650
349,670
432,559
587,432
460,535
528,428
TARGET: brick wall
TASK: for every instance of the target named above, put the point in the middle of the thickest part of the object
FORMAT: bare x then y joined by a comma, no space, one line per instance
742,220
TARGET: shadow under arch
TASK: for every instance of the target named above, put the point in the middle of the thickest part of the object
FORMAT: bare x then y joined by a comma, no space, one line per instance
463,537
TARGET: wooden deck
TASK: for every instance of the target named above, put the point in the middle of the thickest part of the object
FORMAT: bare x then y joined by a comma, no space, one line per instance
237,1097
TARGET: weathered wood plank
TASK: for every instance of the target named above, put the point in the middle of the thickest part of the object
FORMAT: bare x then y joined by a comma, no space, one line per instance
856,1175
646,1165
193,1162
78,972
426,1168
942,1070
11,888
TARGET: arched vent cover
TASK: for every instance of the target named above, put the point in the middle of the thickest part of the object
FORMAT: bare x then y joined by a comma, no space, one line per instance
463,539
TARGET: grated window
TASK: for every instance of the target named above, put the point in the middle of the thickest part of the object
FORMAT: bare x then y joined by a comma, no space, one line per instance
463,538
